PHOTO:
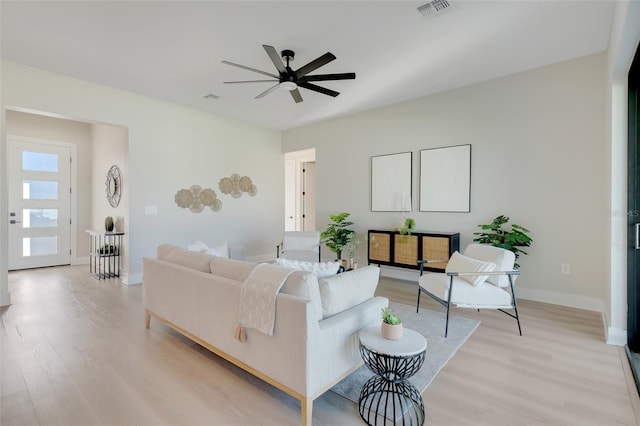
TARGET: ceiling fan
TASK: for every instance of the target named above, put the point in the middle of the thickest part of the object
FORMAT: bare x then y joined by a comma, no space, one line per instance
291,80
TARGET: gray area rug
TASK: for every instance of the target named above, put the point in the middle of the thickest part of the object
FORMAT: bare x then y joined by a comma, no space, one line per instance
439,350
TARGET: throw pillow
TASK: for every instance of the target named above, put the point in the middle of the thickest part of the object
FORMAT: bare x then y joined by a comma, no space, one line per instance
320,269
461,263
221,250
343,291
305,285
198,246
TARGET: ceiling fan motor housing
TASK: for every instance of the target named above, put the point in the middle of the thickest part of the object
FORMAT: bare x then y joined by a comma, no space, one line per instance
288,55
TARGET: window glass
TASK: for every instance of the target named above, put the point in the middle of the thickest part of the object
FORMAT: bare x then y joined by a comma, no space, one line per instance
39,190
39,218
39,161
39,246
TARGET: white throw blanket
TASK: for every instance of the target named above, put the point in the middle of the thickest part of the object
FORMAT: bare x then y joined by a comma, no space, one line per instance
257,307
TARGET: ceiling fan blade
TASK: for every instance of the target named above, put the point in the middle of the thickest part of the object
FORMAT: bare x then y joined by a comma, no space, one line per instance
249,81
319,89
275,58
325,77
251,69
295,94
315,64
269,90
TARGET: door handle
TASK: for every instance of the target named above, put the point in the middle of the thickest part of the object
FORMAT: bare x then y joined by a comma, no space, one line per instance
638,236
13,221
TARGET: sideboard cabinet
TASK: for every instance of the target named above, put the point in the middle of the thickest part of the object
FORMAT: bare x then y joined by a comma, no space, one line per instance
390,248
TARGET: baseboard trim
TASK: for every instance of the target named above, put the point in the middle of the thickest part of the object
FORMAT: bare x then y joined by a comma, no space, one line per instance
131,279
564,299
5,298
80,260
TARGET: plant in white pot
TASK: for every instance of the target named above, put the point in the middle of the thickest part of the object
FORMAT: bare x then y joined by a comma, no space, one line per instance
391,325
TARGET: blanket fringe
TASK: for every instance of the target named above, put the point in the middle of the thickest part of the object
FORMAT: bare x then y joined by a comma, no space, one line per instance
240,333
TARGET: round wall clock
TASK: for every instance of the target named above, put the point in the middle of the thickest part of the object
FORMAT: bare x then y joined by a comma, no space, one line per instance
113,186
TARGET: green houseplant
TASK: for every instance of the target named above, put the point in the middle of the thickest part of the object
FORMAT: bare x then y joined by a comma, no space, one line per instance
509,239
409,226
391,325
337,236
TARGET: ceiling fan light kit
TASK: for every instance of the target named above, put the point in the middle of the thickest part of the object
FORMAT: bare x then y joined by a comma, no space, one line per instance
291,80
288,85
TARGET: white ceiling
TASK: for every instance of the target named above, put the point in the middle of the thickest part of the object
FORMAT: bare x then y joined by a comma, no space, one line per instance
172,50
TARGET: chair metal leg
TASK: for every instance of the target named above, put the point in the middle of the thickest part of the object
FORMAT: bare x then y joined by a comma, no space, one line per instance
418,304
446,327
515,304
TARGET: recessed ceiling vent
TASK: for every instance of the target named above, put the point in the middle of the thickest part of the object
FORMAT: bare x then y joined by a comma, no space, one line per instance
436,8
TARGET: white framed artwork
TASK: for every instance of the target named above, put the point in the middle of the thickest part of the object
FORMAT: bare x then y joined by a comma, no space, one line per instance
391,182
445,179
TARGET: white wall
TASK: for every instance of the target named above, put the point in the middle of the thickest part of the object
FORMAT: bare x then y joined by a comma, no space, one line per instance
170,147
110,147
537,156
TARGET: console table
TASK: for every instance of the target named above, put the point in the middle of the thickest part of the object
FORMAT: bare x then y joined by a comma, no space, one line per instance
104,257
390,248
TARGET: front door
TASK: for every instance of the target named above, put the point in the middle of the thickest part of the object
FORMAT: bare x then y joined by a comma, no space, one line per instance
39,177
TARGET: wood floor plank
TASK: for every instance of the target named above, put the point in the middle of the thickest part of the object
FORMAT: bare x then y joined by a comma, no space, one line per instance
75,352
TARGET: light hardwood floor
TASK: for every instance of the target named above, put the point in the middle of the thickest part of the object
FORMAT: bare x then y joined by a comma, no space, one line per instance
74,351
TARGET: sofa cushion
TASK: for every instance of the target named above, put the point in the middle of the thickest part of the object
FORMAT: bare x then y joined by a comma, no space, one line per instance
237,270
184,257
461,263
320,269
340,292
305,285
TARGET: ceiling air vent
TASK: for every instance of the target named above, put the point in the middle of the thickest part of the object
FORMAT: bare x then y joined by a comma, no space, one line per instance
436,8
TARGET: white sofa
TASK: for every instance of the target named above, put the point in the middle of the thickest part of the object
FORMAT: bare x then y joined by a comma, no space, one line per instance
315,339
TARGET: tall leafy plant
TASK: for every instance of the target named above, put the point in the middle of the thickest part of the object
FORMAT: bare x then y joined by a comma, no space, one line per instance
509,239
337,236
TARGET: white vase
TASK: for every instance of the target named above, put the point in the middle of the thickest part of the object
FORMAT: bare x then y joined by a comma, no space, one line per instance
391,332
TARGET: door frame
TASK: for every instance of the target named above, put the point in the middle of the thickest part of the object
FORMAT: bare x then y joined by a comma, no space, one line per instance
73,198
633,205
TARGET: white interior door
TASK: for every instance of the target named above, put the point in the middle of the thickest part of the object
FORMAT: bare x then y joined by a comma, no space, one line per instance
290,195
39,204
309,196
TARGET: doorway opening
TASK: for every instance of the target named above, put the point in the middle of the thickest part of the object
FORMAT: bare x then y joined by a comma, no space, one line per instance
300,190
42,201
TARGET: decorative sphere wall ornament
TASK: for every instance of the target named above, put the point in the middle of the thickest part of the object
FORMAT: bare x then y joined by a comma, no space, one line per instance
236,185
196,199
113,186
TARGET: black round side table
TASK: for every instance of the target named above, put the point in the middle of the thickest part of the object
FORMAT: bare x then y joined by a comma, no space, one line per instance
389,398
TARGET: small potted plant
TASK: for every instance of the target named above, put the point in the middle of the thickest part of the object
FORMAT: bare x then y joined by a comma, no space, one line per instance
391,325
407,229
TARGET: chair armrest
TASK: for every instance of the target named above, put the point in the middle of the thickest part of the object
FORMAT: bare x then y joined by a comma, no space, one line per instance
423,261
460,274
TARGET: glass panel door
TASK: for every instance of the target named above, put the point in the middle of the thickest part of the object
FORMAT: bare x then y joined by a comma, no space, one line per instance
39,204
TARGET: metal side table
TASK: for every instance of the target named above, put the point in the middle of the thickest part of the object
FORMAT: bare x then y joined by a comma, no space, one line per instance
104,254
389,398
